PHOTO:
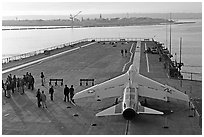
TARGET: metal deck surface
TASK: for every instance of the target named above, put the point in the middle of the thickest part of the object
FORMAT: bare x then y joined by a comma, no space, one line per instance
20,114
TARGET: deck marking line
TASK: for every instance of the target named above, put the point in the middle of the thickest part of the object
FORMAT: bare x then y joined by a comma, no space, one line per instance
30,66
36,61
137,58
147,58
127,127
130,58
195,109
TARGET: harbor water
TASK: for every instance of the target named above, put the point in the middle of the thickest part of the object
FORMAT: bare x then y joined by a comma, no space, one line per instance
15,42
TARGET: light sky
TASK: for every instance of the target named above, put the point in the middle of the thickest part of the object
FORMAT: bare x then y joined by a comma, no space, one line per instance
64,8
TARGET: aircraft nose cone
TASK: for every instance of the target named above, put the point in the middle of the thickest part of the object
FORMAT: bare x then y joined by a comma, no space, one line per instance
129,114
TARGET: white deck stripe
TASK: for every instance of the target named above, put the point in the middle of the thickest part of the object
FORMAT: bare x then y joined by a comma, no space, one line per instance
136,61
29,66
36,61
147,58
195,109
130,58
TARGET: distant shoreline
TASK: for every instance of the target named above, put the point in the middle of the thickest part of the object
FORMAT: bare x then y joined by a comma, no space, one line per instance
61,24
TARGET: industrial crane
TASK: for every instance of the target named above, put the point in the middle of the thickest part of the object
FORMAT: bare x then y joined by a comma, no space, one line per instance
73,17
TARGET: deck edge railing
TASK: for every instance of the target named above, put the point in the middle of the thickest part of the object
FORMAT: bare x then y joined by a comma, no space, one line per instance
34,53
192,76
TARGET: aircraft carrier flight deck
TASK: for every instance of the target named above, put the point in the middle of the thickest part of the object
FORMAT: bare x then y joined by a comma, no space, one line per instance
101,61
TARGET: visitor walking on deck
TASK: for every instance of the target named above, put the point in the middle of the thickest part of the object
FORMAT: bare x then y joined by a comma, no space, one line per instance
43,98
8,89
3,88
32,81
42,78
51,92
18,84
71,92
14,82
29,79
38,95
9,78
125,52
22,84
66,93
121,52
26,79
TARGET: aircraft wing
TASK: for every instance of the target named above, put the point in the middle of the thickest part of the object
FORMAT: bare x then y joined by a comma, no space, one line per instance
147,82
156,90
110,88
176,94
152,93
114,110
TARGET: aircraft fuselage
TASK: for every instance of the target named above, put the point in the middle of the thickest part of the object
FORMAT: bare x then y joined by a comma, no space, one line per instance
130,96
130,102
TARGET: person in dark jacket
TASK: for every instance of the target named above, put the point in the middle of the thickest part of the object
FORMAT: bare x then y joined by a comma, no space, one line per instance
8,89
51,92
10,78
32,81
43,99
42,78
38,95
26,79
66,93
125,52
4,88
14,81
18,84
22,84
71,91
12,85
121,52
29,78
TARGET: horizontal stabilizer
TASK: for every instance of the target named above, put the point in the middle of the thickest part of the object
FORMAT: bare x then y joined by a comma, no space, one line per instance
114,110
146,110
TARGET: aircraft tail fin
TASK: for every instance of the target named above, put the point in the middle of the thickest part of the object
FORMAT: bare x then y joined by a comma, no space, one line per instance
146,110
114,110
